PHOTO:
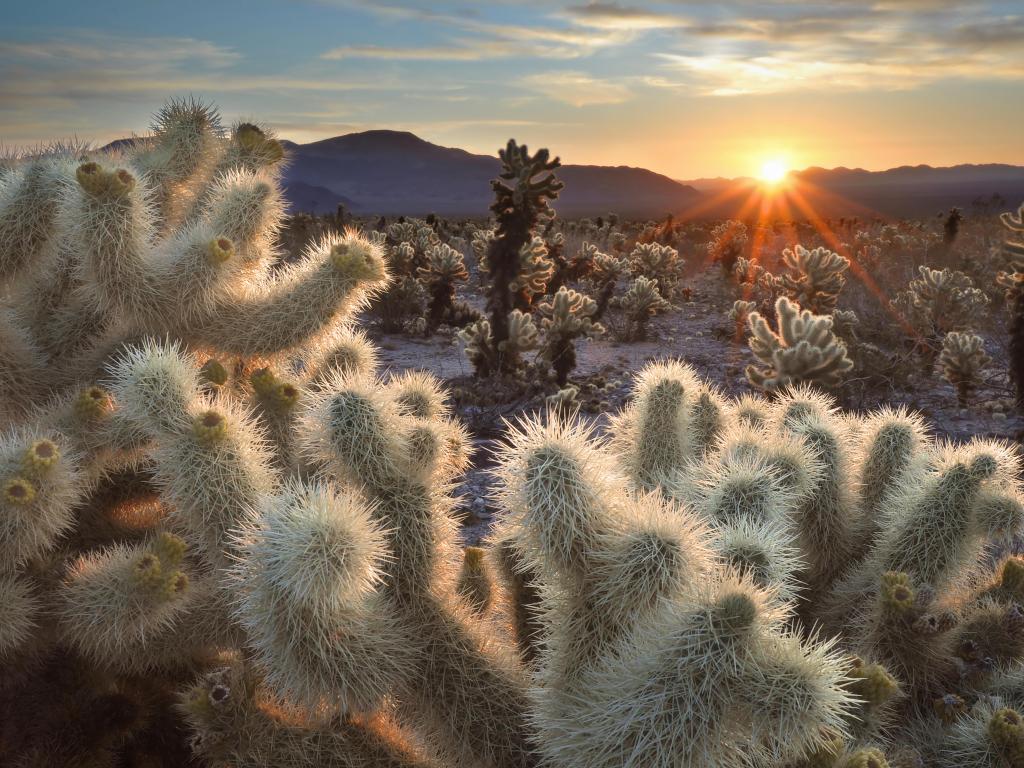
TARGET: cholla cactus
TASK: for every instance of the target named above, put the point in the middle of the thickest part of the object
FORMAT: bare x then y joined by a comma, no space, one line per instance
605,271
755,283
640,303
444,268
1013,281
816,277
659,263
173,238
739,315
275,568
522,193
941,301
803,350
566,317
726,246
487,357
535,270
962,358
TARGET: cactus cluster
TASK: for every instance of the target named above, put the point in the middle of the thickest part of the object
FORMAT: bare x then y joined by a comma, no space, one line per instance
175,237
222,527
803,349
815,277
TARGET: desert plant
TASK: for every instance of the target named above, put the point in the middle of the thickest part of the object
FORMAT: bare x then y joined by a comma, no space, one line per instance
605,271
951,226
514,255
659,263
567,317
804,349
739,315
728,240
444,268
1013,281
639,304
174,239
815,277
962,359
938,302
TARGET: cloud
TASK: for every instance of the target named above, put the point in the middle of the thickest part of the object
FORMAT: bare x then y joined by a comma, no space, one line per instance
577,88
437,53
615,16
92,48
738,75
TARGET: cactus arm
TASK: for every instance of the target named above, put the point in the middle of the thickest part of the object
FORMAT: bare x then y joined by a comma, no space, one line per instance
300,305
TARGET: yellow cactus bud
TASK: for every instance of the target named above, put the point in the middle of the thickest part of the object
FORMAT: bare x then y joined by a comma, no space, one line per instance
18,490
41,455
121,183
91,178
249,136
169,548
174,585
219,250
286,395
826,751
210,427
866,758
873,683
147,572
214,373
897,594
1012,577
1006,730
263,381
356,259
92,403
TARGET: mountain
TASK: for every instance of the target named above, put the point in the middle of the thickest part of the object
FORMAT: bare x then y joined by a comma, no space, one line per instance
310,198
907,191
394,172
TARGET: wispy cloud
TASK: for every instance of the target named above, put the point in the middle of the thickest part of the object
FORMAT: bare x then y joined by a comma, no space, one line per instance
619,17
577,88
391,53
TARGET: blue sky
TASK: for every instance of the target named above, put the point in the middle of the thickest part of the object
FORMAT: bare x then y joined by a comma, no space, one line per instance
689,89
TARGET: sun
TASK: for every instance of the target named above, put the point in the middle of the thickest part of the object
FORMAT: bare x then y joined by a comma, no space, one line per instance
773,171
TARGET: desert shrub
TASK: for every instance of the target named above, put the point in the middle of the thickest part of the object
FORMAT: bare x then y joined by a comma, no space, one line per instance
962,359
815,277
566,317
641,301
660,263
728,240
515,258
803,349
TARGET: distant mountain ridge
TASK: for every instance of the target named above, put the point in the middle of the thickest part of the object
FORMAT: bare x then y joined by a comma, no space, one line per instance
908,190
395,172
383,172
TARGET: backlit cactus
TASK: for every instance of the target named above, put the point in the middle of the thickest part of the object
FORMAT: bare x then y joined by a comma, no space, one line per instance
218,519
962,359
640,303
566,317
804,349
815,277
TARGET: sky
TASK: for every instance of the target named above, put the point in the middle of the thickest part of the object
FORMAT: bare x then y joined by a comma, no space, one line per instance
684,88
